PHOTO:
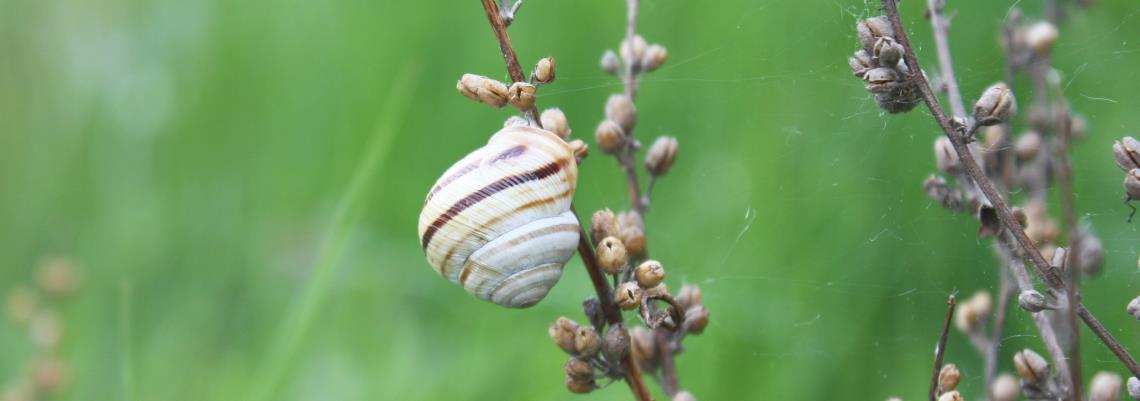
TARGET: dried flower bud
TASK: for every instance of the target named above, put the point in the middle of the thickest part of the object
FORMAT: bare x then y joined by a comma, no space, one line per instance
616,344
1127,153
860,63
609,136
628,295
938,189
871,29
612,256
632,53
1019,214
655,56
1028,145
1134,308
1031,366
579,370
586,341
643,347
1132,184
1040,227
1134,388
610,63
689,296
951,396
1033,301
554,120
989,223
696,319
657,290
661,155
995,106
887,51
544,70
684,396
563,332
973,312
603,224
21,304
948,377
632,233
580,149
521,95
880,80
1091,260
1078,126
649,273
1040,37
483,89
578,387
1005,388
1105,386
945,156
621,110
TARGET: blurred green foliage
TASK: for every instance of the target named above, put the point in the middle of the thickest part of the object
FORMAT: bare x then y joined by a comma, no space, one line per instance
239,183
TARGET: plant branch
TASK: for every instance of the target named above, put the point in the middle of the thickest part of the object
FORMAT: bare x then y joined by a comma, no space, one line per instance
626,155
941,350
941,27
991,354
512,60
1005,215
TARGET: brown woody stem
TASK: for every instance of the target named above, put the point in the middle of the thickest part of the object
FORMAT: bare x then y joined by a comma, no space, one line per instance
512,60
941,350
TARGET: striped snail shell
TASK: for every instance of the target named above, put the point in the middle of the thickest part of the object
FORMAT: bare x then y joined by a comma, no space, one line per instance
498,222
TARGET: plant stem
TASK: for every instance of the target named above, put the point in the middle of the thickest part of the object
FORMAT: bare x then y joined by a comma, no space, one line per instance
941,350
991,355
512,60
941,27
626,155
1005,215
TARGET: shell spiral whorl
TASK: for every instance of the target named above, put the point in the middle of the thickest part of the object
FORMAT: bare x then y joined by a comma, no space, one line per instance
498,222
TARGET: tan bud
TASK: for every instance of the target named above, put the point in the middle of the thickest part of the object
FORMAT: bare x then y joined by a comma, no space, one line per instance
1134,308
1105,386
951,396
661,155
995,106
1041,36
633,52
580,387
586,341
522,95
621,110
649,274
21,304
880,80
655,56
483,89
1005,388
657,290
554,120
603,224
1028,145
1127,153
643,347
689,296
945,156
628,295
860,63
871,29
580,149
1031,366
948,377
1092,255
632,233
1132,183
973,312
696,319
1078,126
612,256
1032,301
579,370
887,51
684,396
616,344
563,332
610,63
609,136
1019,214
1134,388
544,70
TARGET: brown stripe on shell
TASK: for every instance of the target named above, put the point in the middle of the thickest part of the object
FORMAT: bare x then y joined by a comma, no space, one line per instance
547,230
513,152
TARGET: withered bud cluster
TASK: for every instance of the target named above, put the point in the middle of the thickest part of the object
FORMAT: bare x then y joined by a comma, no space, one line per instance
881,66
973,312
497,94
1126,151
583,344
1031,366
35,309
637,55
628,228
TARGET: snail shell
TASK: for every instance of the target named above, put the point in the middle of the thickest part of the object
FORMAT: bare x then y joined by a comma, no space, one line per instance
498,222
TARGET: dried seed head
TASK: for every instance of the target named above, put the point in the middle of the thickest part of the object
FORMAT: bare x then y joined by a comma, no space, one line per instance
643,347
995,106
1134,388
1005,388
1078,126
579,370
649,274
661,155
973,312
544,70
554,120
563,333
1031,366
483,89
1019,214
580,149
696,319
1127,153
880,80
871,29
610,63
989,223
689,296
632,233
1091,260
521,95
1028,145
684,396
951,396
887,51
1040,37
860,63
603,224
657,290
628,295
1040,227
586,341
609,136
655,57
1032,301
1134,308
945,156
616,344
621,110
1105,386
632,53
1132,184
578,387
21,304
612,256
948,377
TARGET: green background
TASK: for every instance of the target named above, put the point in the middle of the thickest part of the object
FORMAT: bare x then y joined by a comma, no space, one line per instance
240,184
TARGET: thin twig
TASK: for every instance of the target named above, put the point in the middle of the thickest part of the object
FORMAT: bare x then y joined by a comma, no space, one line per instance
1044,327
626,155
941,27
941,350
666,348
1005,215
512,60
991,355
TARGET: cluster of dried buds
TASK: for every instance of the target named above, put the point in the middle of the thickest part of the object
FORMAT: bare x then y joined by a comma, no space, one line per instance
881,66
1127,154
35,308
497,94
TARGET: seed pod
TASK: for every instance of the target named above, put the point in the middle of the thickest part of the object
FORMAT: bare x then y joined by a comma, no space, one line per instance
1127,153
1031,366
661,155
610,63
1032,301
578,387
860,63
612,256
655,56
586,341
1078,126
1092,255
951,396
995,106
603,224
563,332
1134,308
1105,386
544,71
871,29
1028,145
483,89
945,156
616,344
657,290
580,148
1040,37
1005,388
643,347
1134,388
579,370
649,273
521,95
628,295
621,110
948,377
609,136
1132,183
880,80
1040,227
689,296
696,319
973,312
554,120
633,52
887,51
632,233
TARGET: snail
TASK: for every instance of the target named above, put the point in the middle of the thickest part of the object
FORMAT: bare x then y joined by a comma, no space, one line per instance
498,222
